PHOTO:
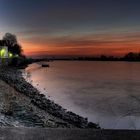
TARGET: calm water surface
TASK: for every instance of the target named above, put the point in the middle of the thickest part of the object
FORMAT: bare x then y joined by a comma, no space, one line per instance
107,93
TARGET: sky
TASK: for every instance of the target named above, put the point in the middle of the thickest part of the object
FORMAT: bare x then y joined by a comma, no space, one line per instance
73,27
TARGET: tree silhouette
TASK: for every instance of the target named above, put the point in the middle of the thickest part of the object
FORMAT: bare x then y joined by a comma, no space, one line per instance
10,40
132,56
15,49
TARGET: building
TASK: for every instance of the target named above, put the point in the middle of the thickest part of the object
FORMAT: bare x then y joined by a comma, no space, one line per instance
4,55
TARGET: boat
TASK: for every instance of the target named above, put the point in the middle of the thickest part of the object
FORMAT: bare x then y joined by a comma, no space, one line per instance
45,65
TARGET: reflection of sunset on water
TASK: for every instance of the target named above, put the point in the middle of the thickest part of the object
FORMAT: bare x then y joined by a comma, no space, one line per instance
105,92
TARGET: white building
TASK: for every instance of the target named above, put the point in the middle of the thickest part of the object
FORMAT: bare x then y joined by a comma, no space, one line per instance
4,55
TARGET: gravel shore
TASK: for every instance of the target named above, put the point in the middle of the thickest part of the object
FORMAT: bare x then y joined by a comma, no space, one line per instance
26,106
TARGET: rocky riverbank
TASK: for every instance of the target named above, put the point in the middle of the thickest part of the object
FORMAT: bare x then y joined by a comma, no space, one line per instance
38,110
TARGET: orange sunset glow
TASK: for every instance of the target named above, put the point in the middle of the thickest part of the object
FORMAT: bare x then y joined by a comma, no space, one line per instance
90,45
74,28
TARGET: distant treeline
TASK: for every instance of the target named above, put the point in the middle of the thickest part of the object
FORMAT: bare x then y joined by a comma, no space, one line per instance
134,57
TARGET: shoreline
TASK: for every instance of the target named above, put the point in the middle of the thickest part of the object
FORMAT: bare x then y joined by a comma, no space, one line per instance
14,78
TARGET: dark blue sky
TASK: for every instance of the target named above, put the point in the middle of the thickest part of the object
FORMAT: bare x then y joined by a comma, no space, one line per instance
49,20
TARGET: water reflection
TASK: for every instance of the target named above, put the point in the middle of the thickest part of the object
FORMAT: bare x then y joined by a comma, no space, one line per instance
107,93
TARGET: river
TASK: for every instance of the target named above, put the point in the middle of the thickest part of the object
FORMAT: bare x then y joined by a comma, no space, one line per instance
107,93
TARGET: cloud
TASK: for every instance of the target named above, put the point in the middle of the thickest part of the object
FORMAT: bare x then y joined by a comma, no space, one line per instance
89,39
87,44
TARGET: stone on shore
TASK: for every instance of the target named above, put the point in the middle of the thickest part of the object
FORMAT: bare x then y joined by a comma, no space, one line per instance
14,78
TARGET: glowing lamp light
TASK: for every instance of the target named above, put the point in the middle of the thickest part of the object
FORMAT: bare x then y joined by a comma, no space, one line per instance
10,55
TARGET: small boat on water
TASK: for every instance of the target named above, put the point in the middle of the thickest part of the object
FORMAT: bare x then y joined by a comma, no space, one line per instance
45,65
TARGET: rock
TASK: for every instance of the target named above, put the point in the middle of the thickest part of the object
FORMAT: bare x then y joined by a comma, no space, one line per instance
7,112
93,125
14,78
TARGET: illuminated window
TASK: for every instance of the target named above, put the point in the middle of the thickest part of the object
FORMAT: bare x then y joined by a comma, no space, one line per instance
4,52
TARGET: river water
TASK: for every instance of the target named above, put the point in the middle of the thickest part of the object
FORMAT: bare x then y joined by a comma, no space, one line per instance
107,93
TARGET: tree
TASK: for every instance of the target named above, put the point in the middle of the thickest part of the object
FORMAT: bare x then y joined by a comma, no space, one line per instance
16,49
10,40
